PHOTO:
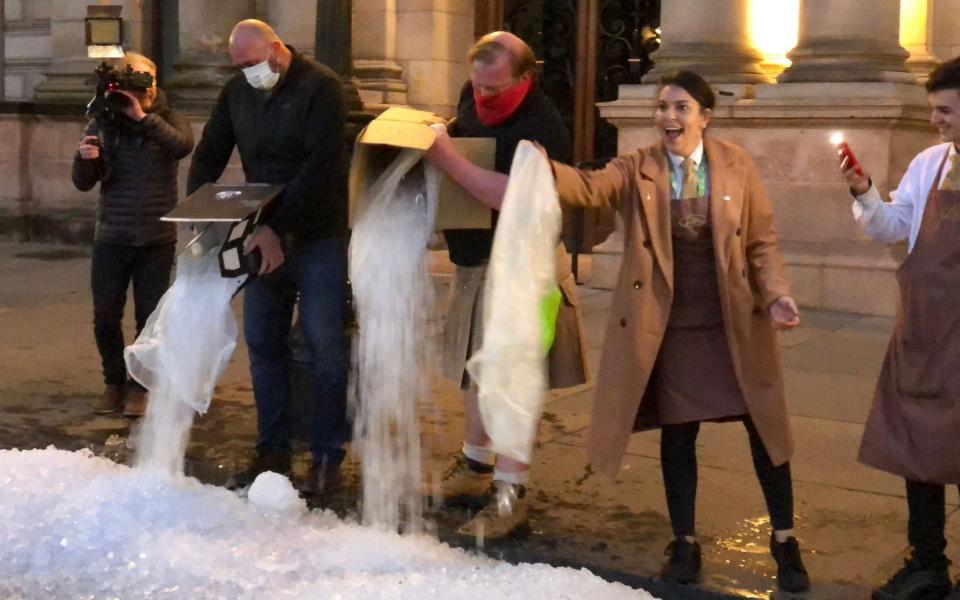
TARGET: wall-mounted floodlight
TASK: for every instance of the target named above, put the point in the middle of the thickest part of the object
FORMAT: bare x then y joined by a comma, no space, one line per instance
104,31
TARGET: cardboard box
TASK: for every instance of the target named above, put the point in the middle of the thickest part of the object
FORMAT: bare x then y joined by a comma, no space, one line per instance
399,128
236,210
225,203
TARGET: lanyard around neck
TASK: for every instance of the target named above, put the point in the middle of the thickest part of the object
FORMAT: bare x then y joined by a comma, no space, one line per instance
701,179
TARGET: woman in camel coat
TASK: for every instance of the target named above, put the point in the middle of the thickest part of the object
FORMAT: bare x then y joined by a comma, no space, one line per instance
691,335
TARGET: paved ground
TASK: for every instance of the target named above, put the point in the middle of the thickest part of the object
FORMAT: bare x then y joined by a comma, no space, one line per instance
851,519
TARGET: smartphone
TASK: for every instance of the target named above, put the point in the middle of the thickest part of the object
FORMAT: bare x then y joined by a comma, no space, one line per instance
844,152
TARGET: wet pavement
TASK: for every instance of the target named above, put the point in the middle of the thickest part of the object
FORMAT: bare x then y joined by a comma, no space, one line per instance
851,520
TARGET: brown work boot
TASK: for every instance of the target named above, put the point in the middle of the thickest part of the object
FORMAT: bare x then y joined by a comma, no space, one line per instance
504,516
109,401
466,482
264,459
323,478
135,402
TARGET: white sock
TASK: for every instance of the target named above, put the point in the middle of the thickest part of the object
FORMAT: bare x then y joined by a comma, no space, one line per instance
782,535
689,539
481,454
518,478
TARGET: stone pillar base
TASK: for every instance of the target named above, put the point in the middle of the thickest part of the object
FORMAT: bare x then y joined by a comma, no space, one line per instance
921,65
67,83
837,59
848,277
194,86
720,61
380,81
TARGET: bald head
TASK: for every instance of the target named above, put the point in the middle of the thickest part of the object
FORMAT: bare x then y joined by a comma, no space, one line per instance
511,42
252,41
497,45
251,31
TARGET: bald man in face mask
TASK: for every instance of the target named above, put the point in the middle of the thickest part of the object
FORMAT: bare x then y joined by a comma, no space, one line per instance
286,116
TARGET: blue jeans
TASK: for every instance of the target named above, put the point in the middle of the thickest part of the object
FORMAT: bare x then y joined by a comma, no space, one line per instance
318,272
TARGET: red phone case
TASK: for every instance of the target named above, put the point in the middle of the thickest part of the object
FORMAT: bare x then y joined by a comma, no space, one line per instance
844,151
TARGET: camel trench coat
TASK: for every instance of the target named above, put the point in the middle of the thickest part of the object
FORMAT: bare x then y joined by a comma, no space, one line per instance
750,275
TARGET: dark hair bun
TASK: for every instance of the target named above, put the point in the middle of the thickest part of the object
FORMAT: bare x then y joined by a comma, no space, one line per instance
693,84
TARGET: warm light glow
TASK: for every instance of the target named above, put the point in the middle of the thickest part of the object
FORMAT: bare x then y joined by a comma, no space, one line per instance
105,51
836,138
913,23
774,26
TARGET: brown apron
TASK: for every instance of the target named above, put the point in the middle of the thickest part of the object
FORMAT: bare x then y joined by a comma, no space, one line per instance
693,378
914,426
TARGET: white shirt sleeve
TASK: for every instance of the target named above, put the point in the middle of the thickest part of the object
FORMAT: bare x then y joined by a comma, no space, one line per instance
890,222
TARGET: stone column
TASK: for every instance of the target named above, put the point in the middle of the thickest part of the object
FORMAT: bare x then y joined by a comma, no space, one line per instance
203,62
375,66
848,40
295,21
945,33
916,36
710,37
334,47
70,68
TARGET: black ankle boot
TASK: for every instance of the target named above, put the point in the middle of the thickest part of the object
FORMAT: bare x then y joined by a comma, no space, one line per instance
917,580
791,574
684,563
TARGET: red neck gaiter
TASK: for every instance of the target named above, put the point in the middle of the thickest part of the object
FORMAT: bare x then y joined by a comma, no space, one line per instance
497,108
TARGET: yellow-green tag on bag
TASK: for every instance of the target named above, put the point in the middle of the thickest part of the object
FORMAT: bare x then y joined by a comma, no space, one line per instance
549,309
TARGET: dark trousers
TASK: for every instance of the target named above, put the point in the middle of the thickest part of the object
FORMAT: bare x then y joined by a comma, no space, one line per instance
925,526
678,459
314,280
113,267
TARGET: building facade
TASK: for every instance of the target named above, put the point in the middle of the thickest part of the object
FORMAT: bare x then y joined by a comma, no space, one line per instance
789,72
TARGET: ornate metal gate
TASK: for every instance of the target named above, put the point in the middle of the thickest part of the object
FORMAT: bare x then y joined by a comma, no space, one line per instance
587,48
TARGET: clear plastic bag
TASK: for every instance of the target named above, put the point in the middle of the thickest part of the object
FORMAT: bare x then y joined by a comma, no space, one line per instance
189,338
510,367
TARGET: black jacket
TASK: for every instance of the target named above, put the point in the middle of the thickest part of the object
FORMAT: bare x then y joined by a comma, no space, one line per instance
536,120
137,171
294,135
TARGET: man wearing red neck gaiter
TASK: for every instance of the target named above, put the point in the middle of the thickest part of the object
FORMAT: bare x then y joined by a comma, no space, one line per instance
501,101
495,108
501,77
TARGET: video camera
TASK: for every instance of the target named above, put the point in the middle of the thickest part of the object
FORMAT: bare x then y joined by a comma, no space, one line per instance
107,105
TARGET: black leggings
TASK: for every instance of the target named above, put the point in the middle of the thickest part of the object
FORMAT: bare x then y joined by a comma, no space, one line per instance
678,458
926,523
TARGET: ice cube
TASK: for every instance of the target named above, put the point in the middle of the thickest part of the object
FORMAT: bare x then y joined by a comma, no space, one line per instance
274,492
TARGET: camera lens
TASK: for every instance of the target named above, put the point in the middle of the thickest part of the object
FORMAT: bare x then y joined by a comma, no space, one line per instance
116,102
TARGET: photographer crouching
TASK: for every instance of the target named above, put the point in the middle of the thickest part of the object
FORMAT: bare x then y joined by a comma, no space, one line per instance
132,146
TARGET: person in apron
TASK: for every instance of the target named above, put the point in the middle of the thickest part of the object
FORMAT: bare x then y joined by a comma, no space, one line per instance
913,429
691,336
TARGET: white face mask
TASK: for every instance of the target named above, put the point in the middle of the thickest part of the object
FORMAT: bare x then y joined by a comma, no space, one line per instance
261,76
